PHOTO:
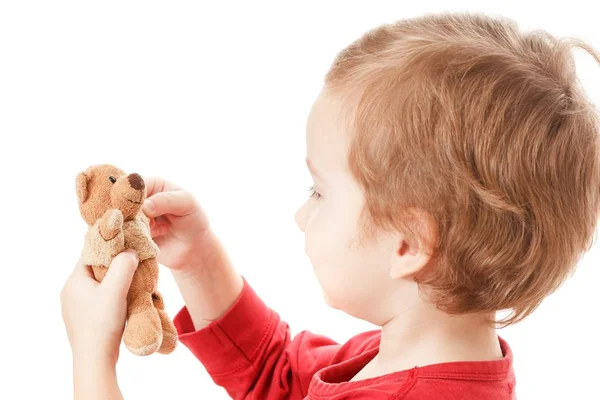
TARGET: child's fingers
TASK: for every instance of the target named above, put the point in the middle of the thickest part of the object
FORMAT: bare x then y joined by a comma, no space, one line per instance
81,269
155,184
158,226
120,273
178,202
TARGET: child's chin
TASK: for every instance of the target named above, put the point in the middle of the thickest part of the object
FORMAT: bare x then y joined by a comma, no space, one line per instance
329,302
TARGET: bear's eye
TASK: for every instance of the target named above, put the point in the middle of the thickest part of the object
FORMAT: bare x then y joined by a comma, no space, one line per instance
112,179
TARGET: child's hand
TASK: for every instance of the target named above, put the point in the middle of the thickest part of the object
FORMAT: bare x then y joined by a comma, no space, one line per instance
178,224
94,313
200,264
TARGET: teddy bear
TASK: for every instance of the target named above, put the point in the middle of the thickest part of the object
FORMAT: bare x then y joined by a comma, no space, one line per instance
110,202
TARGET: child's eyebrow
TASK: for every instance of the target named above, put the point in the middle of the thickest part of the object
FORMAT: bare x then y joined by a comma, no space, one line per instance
312,169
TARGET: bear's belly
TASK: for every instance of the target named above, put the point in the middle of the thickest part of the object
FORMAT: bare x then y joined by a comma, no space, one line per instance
137,237
97,251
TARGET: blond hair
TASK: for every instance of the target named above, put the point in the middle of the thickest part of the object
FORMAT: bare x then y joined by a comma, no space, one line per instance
486,129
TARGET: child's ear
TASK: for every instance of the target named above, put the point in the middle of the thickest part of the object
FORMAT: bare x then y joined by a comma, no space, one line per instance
411,258
407,261
81,183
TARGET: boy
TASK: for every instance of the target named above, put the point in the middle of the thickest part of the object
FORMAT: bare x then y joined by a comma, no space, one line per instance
456,168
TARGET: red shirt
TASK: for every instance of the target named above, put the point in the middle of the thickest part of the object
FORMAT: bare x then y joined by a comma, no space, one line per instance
249,352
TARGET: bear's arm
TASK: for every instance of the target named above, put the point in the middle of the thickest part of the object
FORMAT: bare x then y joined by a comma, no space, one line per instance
99,251
110,224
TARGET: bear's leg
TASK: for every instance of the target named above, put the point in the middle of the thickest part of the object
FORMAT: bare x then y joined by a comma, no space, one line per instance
169,341
143,332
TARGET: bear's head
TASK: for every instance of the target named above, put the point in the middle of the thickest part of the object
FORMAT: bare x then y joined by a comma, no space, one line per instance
101,187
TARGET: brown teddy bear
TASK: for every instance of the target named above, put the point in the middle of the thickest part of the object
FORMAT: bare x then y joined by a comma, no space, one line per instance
110,202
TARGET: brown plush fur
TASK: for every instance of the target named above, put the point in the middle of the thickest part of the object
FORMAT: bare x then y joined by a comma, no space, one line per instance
110,202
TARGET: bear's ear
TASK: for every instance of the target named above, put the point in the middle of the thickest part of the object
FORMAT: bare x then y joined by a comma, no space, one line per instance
81,187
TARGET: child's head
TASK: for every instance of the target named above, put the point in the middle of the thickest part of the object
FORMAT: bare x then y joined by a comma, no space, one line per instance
458,159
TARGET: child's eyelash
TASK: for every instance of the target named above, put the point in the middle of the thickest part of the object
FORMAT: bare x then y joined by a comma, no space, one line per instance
313,193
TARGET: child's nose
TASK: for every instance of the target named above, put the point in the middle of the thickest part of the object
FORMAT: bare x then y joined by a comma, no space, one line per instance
300,218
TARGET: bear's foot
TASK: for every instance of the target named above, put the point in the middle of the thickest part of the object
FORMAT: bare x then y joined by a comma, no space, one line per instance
143,332
169,341
169,331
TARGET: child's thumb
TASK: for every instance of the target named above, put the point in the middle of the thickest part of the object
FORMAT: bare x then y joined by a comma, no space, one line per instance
176,202
120,273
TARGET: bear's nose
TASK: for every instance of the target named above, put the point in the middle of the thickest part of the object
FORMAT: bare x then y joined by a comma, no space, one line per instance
136,181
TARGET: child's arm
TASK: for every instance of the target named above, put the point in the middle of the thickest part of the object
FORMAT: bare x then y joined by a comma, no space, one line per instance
94,316
210,284
241,342
94,379
248,350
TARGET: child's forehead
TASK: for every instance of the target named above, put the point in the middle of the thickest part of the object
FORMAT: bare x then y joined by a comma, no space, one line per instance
323,106
326,145
314,116
324,122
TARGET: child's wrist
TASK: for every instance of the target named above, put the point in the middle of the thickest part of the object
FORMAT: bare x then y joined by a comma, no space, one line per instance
90,358
208,258
191,272
95,376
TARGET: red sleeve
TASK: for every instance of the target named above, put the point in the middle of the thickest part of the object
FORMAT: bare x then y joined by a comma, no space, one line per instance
249,352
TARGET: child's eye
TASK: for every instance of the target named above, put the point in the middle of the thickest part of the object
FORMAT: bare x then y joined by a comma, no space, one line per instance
313,193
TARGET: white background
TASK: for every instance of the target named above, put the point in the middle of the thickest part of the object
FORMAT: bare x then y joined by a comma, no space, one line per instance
213,97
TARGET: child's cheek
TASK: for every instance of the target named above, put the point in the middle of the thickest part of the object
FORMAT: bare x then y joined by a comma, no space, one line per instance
327,235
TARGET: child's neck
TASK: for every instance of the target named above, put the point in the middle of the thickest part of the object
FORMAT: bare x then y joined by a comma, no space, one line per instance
423,335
